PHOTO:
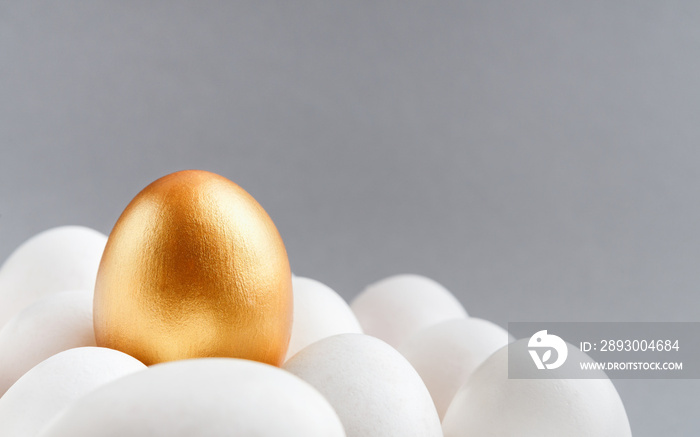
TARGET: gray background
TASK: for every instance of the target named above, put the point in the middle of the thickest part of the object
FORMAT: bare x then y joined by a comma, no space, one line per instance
540,159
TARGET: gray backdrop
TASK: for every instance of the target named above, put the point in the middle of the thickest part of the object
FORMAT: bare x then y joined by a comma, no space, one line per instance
540,159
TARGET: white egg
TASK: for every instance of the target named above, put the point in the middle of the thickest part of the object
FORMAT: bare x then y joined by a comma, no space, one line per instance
374,390
206,397
446,354
396,307
60,259
492,404
50,325
39,395
319,312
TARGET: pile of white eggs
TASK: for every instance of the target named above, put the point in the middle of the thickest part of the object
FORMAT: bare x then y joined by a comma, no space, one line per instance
404,359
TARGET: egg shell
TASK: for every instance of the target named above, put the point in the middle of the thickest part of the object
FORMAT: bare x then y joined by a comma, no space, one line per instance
50,325
194,267
207,397
490,404
374,390
396,307
59,259
446,354
319,312
43,392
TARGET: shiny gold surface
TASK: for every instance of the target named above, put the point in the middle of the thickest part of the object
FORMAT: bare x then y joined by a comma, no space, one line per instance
194,267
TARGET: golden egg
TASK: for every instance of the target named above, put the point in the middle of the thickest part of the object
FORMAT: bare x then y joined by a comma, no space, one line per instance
194,267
